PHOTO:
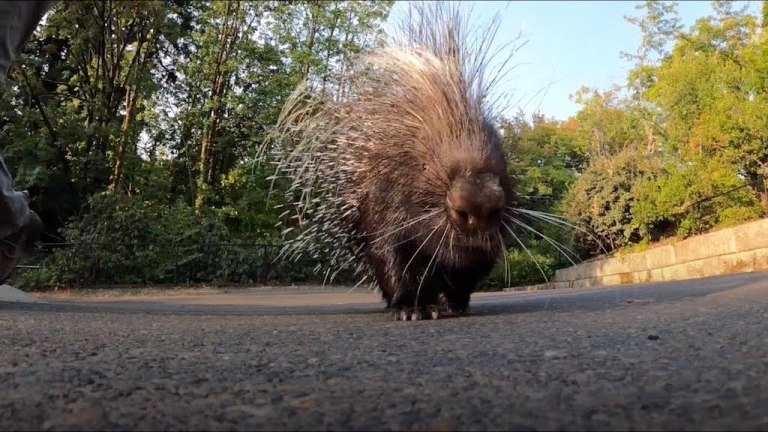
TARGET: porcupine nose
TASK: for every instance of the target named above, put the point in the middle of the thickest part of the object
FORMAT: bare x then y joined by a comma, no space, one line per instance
475,203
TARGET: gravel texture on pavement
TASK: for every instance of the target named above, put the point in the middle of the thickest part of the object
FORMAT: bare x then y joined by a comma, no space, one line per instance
683,355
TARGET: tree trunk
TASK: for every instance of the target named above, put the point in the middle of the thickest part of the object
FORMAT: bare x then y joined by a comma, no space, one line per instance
127,137
220,78
332,31
135,73
310,41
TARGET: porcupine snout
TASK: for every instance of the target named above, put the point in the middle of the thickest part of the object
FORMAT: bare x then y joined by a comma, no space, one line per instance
475,203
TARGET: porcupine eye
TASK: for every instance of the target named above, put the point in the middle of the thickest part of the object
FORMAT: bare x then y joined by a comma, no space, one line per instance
474,204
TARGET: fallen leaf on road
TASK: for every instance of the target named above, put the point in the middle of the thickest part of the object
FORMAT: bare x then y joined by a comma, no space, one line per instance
638,301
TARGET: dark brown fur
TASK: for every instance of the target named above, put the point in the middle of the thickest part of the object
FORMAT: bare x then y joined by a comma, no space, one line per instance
459,264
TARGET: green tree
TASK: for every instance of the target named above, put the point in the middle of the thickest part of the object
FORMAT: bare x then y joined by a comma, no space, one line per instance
131,109
75,96
606,124
712,89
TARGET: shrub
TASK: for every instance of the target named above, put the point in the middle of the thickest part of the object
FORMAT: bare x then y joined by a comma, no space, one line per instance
603,196
521,269
692,197
127,240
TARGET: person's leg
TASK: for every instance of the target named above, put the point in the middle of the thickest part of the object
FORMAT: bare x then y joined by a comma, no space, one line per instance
18,20
18,225
14,210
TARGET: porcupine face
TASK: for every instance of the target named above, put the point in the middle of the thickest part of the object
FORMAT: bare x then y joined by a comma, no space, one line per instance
477,190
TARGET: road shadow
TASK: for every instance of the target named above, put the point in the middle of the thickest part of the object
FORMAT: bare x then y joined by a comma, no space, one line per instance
486,304
622,296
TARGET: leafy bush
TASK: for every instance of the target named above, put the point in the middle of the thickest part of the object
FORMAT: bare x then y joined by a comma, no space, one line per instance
124,240
632,198
521,269
692,197
603,196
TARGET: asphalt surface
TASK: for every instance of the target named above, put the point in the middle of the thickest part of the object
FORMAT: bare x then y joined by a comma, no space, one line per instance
687,355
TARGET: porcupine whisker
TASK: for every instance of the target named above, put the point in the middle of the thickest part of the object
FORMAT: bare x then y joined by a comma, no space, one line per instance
550,220
526,250
419,249
506,259
438,250
557,220
401,228
554,216
559,246
405,225
426,270
413,237
450,284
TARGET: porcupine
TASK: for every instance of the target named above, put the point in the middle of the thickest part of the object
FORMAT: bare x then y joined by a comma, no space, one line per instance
405,179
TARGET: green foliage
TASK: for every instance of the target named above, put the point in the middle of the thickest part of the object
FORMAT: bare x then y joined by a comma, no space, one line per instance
543,158
520,268
124,240
606,123
631,199
686,152
693,196
137,123
713,90
603,197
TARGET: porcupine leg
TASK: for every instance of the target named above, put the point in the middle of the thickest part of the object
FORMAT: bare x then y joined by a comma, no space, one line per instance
454,297
453,303
417,299
458,285
398,273
409,303
410,298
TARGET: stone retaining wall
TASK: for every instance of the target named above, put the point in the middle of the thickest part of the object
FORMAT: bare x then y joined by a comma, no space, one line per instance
743,248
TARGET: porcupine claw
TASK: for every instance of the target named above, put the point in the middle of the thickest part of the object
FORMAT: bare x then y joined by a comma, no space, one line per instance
409,314
418,314
402,315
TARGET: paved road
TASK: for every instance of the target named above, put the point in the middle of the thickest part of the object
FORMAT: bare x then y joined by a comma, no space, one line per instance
684,355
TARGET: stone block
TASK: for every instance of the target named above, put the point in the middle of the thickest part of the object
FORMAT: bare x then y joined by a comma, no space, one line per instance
736,263
660,257
704,246
761,259
753,235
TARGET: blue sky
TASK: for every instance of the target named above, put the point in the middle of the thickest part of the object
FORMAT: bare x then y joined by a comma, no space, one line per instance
569,44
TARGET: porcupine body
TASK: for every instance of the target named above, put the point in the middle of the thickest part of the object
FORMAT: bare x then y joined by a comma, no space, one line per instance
405,179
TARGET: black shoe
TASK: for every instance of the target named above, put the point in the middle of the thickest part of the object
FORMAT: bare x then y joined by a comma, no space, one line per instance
19,242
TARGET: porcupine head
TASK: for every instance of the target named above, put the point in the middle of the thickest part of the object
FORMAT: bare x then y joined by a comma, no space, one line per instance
407,171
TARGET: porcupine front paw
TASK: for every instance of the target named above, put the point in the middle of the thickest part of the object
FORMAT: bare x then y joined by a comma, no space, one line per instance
447,307
417,313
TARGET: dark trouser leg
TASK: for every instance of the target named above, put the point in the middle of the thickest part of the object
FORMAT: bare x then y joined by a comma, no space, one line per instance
18,19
